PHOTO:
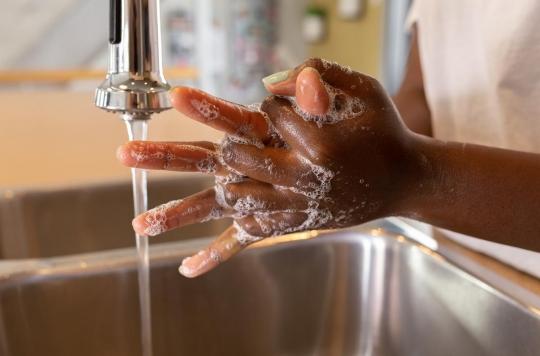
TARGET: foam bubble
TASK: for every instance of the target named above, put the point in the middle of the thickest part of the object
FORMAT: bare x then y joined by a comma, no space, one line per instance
207,165
316,190
328,64
342,107
249,204
215,214
156,219
208,110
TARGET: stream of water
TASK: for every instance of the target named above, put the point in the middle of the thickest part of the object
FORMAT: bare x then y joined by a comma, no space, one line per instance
138,130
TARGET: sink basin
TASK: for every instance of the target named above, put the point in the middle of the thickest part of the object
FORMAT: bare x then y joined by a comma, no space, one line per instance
371,290
39,223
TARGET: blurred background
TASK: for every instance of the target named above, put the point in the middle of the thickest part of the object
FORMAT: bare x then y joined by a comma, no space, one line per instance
54,53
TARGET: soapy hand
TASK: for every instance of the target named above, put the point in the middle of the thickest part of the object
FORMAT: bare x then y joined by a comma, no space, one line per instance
328,150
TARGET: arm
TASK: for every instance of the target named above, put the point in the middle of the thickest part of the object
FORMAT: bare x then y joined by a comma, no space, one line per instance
411,99
490,193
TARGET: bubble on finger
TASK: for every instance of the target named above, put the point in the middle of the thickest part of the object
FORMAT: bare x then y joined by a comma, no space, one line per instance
248,204
264,224
220,196
342,107
156,219
206,109
318,189
215,256
326,64
244,140
207,165
215,214
316,217
344,216
140,152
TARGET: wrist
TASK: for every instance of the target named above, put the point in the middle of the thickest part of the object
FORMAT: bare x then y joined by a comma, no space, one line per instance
419,177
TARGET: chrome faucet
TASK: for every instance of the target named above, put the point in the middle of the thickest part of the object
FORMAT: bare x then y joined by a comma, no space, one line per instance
135,86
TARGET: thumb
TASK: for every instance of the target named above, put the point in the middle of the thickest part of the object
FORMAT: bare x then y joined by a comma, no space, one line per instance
311,93
305,84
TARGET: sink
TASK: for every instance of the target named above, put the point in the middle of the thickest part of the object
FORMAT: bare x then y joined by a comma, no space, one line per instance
37,223
371,290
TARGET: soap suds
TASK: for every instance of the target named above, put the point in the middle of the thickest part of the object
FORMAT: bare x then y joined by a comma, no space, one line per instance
342,107
208,110
318,186
243,237
156,219
248,205
207,165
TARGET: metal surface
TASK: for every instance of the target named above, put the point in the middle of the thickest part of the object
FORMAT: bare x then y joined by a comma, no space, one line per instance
362,292
135,83
39,223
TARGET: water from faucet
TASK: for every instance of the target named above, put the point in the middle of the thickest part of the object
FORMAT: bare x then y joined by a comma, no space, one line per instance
138,130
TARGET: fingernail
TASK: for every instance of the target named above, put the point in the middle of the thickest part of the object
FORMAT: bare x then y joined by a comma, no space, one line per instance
276,78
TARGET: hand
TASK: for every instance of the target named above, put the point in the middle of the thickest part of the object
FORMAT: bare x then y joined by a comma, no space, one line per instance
336,156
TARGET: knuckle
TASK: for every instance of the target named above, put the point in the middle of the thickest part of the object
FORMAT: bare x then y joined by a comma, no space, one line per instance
272,102
231,155
250,226
230,194
316,63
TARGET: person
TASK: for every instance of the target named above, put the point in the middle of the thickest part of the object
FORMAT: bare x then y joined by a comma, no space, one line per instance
330,149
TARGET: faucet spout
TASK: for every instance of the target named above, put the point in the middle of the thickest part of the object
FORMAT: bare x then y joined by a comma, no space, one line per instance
135,83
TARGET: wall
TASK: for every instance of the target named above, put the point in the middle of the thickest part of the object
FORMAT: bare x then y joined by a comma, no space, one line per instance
292,48
58,138
354,43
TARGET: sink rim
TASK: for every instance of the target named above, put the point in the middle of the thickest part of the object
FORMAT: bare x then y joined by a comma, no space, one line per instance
390,230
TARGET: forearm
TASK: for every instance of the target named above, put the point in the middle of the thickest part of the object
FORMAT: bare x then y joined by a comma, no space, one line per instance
490,193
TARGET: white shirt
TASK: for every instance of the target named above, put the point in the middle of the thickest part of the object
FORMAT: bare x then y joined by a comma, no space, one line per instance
481,66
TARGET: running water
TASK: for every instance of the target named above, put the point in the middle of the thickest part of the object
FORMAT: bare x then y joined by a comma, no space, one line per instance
138,130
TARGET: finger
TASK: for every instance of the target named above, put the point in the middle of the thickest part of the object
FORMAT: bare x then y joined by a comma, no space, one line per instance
311,93
252,196
171,156
273,224
284,83
235,238
220,114
302,135
270,165
197,208
220,250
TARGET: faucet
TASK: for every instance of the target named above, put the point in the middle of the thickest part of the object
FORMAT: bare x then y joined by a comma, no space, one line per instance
135,86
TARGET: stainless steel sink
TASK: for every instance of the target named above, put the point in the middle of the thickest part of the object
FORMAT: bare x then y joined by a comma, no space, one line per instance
36,223
366,291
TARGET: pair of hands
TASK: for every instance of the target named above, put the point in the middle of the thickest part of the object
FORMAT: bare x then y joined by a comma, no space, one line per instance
327,150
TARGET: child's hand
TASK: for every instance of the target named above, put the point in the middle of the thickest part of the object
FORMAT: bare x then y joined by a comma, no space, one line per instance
338,155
